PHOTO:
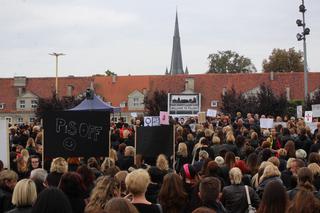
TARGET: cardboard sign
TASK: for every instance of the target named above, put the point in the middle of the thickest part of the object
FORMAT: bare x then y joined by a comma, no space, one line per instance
299,111
201,117
212,113
164,118
312,126
283,124
152,141
134,114
152,121
316,110
308,116
266,123
4,144
76,134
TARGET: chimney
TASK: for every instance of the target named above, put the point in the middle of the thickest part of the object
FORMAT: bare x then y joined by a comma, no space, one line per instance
271,76
70,90
288,93
114,79
189,84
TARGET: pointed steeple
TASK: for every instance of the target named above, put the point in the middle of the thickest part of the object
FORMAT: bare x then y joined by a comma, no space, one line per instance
186,71
176,58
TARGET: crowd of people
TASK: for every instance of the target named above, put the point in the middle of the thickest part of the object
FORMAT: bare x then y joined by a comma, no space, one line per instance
227,164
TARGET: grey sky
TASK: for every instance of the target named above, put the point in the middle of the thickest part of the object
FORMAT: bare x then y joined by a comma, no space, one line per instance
135,36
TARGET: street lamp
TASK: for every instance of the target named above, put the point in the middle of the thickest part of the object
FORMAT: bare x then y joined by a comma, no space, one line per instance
57,56
302,36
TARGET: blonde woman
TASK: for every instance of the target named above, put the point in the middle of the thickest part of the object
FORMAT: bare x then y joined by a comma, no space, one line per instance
271,173
181,157
31,146
59,166
8,180
137,183
24,196
105,189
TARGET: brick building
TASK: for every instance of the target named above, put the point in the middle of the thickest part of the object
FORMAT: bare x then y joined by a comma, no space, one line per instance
19,95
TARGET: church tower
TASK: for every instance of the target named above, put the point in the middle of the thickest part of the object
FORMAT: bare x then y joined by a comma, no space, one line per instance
176,58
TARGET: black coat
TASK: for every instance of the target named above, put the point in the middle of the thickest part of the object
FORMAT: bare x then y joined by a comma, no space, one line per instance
234,198
5,200
27,209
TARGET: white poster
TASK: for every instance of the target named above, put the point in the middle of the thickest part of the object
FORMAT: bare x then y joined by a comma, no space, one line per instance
299,111
308,116
283,124
134,114
266,123
316,110
4,145
152,121
313,126
164,118
212,113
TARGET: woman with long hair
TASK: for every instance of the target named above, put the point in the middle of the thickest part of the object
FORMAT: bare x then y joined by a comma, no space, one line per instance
274,199
172,196
181,156
105,189
305,202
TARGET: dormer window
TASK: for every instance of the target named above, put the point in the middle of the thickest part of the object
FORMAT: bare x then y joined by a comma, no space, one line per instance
34,104
22,104
123,104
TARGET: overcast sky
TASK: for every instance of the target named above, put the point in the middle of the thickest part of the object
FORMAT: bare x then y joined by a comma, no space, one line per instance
135,36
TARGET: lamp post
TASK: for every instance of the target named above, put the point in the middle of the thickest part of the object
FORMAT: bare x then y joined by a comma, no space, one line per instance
57,56
302,36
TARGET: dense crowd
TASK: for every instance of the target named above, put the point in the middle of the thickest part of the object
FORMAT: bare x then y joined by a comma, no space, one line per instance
227,164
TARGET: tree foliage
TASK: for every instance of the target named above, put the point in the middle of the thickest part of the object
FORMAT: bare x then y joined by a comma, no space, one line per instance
264,102
155,102
282,60
109,73
229,62
55,103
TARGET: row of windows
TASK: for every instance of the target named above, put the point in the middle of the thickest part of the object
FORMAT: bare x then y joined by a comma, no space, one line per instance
22,104
20,120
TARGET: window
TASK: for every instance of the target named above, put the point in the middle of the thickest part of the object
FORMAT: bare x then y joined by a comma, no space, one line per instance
34,104
31,120
9,119
136,102
1,105
22,104
19,120
123,104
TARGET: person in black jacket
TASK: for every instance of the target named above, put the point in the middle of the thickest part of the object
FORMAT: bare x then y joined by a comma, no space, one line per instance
8,180
234,196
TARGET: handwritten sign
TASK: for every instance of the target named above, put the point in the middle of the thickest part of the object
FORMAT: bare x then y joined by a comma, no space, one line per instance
266,123
299,111
308,116
211,113
316,110
164,118
201,117
76,133
152,121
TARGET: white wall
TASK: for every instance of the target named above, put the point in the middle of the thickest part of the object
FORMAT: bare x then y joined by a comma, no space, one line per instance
4,143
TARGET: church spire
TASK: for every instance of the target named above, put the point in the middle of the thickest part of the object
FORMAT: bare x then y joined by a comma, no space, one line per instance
176,58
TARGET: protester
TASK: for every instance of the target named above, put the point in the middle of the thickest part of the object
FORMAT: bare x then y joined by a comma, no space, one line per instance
24,196
52,200
8,180
120,205
137,183
59,166
39,177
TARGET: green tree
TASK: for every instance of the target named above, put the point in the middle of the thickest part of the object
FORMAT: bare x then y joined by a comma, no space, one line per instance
155,102
55,103
282,60
229,62
109,73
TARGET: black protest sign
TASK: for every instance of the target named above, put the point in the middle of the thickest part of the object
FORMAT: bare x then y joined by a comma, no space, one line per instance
152,141
76,133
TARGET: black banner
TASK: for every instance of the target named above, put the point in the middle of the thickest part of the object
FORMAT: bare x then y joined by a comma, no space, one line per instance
152,141
76,133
